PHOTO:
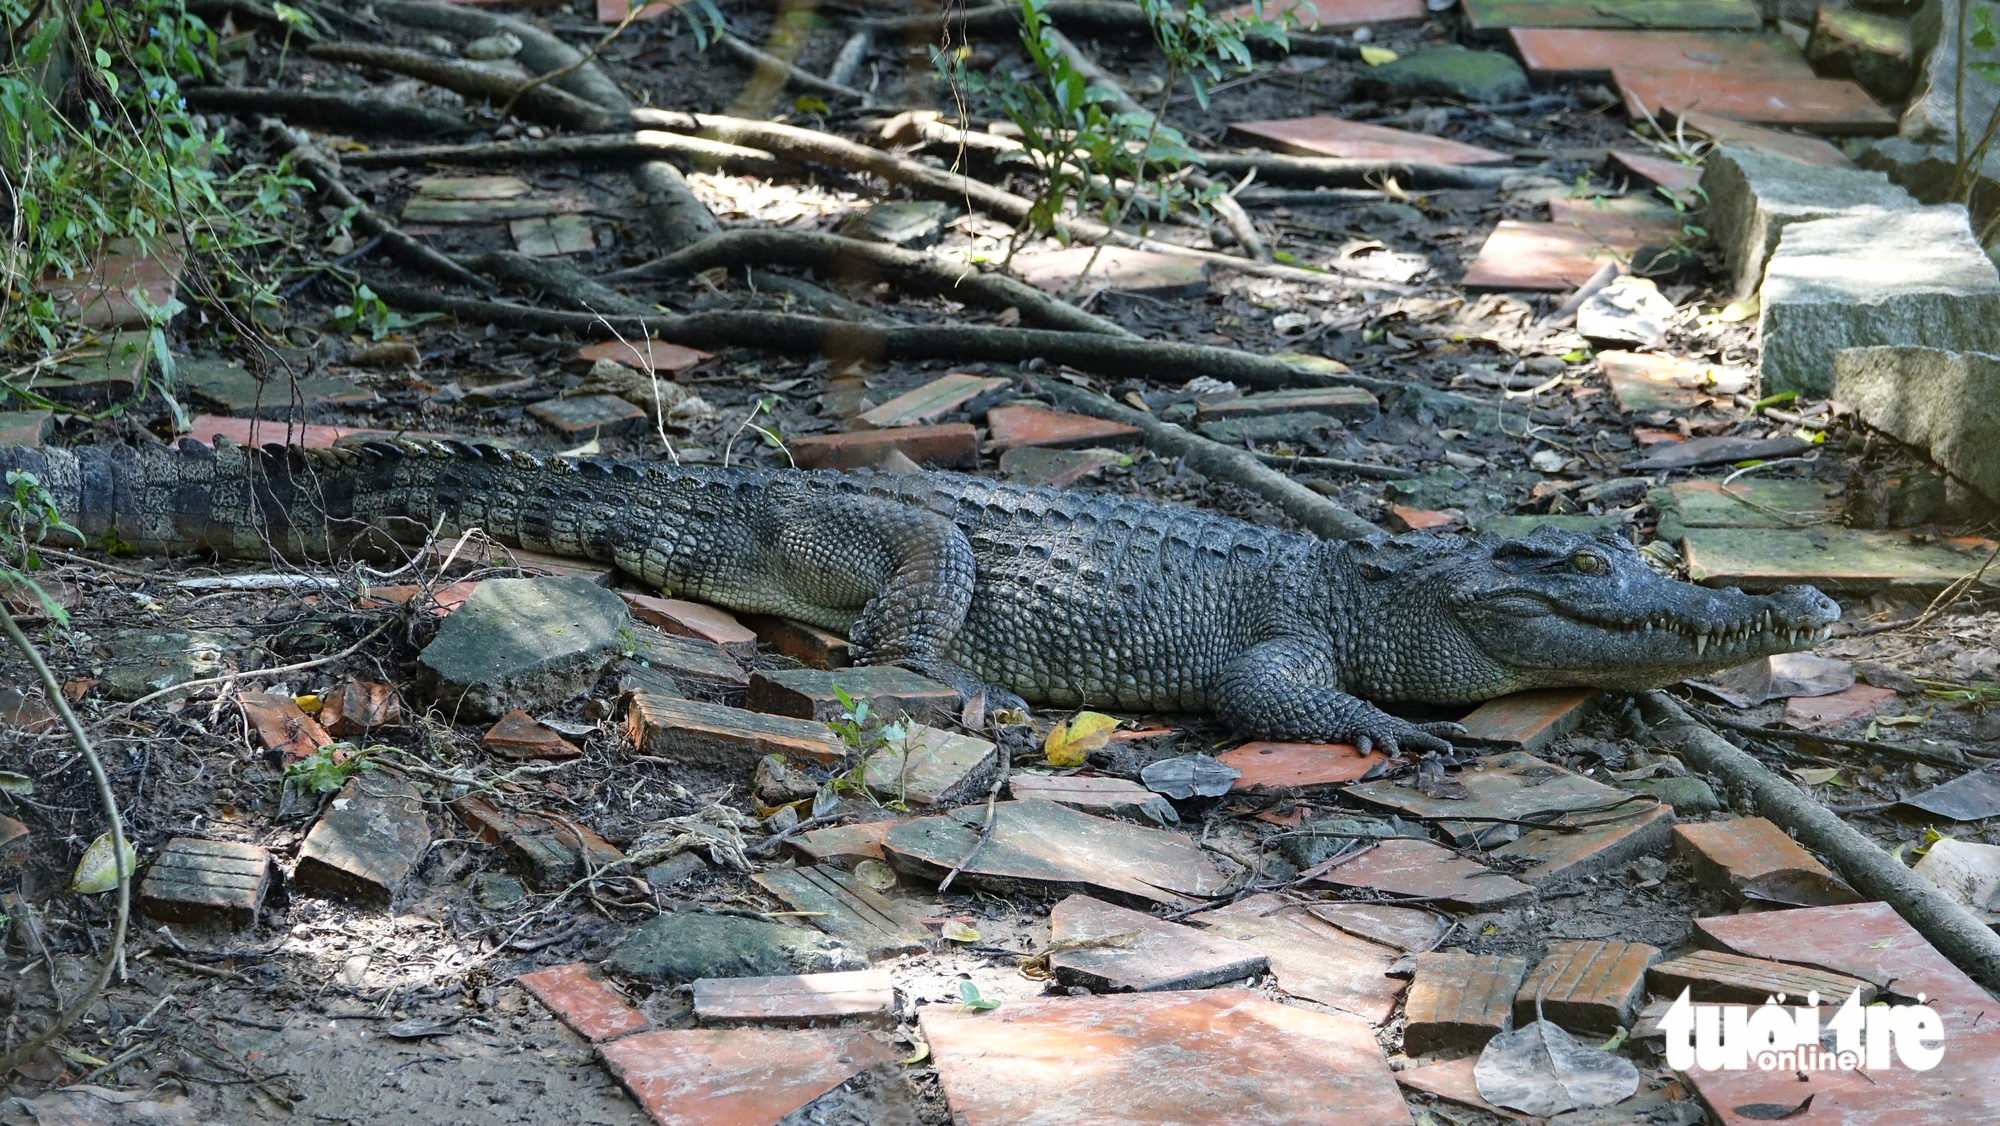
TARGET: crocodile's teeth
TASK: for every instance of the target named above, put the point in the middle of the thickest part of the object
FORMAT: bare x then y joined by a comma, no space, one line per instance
1700,644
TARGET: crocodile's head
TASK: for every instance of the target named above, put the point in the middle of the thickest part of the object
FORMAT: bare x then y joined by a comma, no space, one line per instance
1562,609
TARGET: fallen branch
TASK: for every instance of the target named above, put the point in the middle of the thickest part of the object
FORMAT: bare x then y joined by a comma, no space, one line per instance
1318,171
1949,926
985,827
552,106
1942,756
793,74
824,148
541,52
548,275
1313,512
350,113
401,247
817,336
834,256
1338,465
121,862
644,145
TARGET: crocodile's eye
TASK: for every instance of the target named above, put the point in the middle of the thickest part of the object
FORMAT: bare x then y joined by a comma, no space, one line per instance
1585,563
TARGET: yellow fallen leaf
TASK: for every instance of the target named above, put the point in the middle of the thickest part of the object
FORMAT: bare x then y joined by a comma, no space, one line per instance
922,1053
955,931
98,870
1376,56
309,703
1738,311
1087,731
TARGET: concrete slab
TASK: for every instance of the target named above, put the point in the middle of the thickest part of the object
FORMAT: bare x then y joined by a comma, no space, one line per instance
1944,403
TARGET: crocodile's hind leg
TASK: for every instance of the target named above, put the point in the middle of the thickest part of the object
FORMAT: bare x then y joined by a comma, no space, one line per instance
914,569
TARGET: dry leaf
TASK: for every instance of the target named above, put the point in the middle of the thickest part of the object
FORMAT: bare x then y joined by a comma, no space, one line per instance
1087,731
98,870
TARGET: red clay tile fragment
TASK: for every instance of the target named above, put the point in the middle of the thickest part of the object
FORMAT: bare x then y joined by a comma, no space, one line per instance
693,619
796,999
1714,976
1421,869
1012,427
17,710
1452,1080
1354,140
950,444
1678,179
1139,953
1609,843
1080,791
548,852
809,645
1818,105
1729,131
697,731
519,736
1071,1061
15,842
359,706
1552,256
931,402
197,881
1281,766
443,599
843,844
1312,958
737,1076
584,1002
1409,929
1529,720
282,727
100,295
1459,1000
646,355
1055,469
1575,52
1815,713
1403,518
1730,854
369,839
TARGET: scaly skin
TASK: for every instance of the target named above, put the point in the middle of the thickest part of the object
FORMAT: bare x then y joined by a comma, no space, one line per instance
1065,598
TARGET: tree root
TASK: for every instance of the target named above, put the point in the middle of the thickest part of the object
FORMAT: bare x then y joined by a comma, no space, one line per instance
670,210
818,336
548,104
1242,468
400,246
559,278
541,52
821,148
1969,943
794,75
834,256
349,113
610,148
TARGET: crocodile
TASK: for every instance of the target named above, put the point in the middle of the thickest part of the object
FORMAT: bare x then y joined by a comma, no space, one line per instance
1030,595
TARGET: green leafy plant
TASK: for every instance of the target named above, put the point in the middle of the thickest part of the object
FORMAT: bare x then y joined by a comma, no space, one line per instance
328,768
1976,31
968,993
867,736
30,517
368,313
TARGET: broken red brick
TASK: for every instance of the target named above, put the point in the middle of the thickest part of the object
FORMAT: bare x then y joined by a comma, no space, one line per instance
17,710
1282,766
579,417
1587,986
808,645
195,881
1864,940
1777,142
858,916
888,690
1814,713
1159,955
368,840
931,402
646,355
693,731
1459,1000
1572,52
1651,436
584,1002
100,296
693,619
519,736
549,853
951,444
1529,720
865,995
1817,105
481,553
1553,256
1419,868
1677,178
257,432
1730,854
1714,976
360,706
1403,518
1262,1063
737,1076
1013,427
1353,140
282,726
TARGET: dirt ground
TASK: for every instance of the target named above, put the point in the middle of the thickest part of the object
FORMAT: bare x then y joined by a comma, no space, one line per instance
331,1011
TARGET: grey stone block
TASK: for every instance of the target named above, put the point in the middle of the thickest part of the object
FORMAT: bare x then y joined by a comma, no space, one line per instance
1753,196
1927,171
1448,72
683,946
1931,116
1947,403
1906,277
525,643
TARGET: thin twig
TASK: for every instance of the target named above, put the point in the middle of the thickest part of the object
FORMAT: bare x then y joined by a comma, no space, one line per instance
581,61
985,830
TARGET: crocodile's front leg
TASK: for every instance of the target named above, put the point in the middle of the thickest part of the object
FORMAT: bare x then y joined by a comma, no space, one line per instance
1285,689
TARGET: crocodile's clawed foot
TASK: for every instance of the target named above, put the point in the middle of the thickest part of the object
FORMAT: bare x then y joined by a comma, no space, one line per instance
1393,736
